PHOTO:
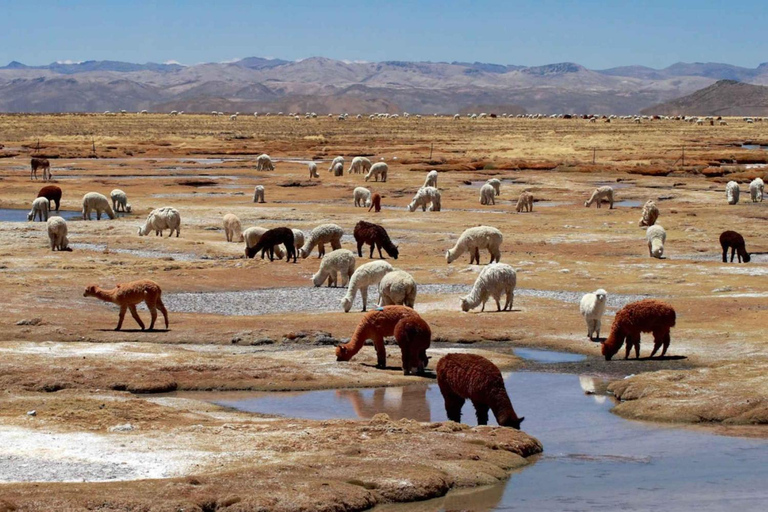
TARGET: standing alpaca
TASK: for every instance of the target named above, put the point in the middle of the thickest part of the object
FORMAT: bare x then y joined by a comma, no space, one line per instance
269,240
487,195
734,241
598,195
40,163
732,192
647,315
378,170
756,190
397,287
359,165
120,201
264,163
656,236
375,325
161,219
368,274
57,234
258,194
232,228
426,196
321,235
337,160
650,214
431,179
495,280
39,209
496,184
338,169
313,170
375,236
340,261
128,295
362,196
51,193
592,307
524,202
471,377
98,202
375,203
413,336
474,239
252,236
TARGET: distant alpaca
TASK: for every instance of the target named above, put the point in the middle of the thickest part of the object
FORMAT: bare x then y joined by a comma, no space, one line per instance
598,195
734,241
128,295
592,307
413,336
647,315
40,163
471,377
525,202
321,235
375,203
474,239
375,236
51,193
313,170
269,240
232,228
650,214
732,192
375,325
258,194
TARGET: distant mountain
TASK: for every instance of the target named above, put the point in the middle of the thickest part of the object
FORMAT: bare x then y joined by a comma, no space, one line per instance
723,98
326,85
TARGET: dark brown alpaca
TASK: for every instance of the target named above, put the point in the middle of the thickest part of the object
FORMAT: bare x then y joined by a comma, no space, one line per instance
413,336
471,377
375,236
734,241
51,193
269,240
647,315
375,203
128,295
40,163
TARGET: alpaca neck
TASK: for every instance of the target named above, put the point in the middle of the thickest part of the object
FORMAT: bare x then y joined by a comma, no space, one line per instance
105,295
502,408
357,341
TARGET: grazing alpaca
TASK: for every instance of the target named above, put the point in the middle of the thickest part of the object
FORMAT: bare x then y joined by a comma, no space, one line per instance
232,228
734,241
525,202
40,163
313,170
269,240
413,336
321,235
128,295
471,377
375,236
647,315
39,209
650,214
57,234
474,239
375,325
368,274
375,203
51,193
598,195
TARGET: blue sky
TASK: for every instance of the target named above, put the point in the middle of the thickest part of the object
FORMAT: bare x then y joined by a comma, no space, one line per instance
597,34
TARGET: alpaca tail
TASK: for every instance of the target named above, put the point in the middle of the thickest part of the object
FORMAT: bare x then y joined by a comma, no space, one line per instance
162,309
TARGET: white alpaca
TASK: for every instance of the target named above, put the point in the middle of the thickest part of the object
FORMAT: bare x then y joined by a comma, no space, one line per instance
264,163
338,169
732,192
431,179
378,170
426,196
397,288
650,214
496,184
368,274
321,235
98,202
362,196
298,238
335,262
599,194
756,190
57,234
313,170
494,281
474,239
656,236
232,228
337,160
39,209
359,165
252,236
487,194
258,194
119,201
592,307
524,202
161,219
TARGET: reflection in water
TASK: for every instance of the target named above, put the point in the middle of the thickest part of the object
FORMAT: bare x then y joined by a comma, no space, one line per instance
480,499
406,402
594,387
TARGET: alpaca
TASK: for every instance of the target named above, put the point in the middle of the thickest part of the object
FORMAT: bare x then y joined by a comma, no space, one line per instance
161,219
95,201
337,160
426,196
368,274
592,307
413,336
375,325
313,170
120,201
338,169
397,287
128,295
258,194
494,280
732,192
647,315
734,241
469,376
598,195
650,214
40,163
524,202
474,239
233,228
487,195
375,203
39,209
264,163
431,179
321,235
496,184
252,236
362,197
269,240
656,236
359,165
298,238
51,193
57,234
756,190
378,170
375,236
335,262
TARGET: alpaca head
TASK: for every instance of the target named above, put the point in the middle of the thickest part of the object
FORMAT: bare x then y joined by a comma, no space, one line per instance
746,257
657,250
250,252
586,203
128,208
465,304
609,347
342,354
346,303
601,295
395,252
448,256
90,291
510,420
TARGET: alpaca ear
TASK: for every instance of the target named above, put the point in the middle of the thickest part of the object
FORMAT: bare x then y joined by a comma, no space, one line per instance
521,420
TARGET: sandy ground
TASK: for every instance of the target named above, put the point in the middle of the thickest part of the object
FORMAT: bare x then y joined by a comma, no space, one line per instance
254,325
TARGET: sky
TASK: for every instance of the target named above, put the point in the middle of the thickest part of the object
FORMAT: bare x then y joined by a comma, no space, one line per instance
596,34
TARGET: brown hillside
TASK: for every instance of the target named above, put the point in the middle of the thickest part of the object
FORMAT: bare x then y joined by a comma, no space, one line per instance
723,98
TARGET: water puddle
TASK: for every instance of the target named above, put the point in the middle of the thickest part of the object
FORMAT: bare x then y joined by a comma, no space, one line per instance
549,204
593,460
616,185
548,356
20,215
141,253
146,176
754,146
628,204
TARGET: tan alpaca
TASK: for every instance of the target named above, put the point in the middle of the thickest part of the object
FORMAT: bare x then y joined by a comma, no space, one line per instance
128,295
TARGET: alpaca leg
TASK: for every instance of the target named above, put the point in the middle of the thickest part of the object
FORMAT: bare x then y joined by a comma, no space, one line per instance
364,296
628,347
481,411
162,309
510,298
335,244
498,304
725,254
407,363
665,344
321,250
135,315
733,253
636,343
120,318
658,339
360,249
373,246
381,352
597,327
379,248
453,405
153,315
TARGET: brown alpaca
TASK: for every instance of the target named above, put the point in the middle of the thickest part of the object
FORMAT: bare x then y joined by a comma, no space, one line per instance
51,193
734,241
269,240
40,163
375,236
471,377
647,315
413,336
128,295
375,203
375,325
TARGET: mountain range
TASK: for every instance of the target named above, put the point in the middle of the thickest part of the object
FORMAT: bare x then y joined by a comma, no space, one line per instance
325,85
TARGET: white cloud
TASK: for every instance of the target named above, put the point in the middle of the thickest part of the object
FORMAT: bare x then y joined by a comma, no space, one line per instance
230,61
69,61
169,62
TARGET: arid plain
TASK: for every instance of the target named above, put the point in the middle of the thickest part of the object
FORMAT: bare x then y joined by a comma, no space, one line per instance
238,324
